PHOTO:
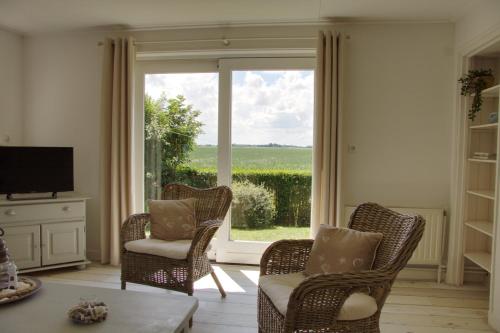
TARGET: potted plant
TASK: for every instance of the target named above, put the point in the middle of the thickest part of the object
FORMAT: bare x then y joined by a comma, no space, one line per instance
473,83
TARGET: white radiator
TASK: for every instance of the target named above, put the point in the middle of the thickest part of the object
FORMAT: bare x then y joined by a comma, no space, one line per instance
431,247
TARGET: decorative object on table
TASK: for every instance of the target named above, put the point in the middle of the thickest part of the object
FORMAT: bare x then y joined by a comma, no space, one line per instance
8,270
484,156
493,117
26,287
473,83
88,312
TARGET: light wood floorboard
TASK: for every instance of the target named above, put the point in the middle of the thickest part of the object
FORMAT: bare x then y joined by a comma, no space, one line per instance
412,307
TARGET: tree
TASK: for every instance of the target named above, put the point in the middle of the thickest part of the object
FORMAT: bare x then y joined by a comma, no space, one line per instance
170,129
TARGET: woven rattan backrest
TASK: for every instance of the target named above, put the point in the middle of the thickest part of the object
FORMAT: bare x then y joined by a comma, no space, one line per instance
401,233
211,204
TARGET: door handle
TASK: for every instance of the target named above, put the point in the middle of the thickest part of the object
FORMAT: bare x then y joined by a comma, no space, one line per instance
10,212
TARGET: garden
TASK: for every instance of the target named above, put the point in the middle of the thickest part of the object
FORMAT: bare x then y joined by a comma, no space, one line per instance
271,184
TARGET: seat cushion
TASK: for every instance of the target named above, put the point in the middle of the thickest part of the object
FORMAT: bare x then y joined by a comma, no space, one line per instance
279,288
170,249
340,250
172,219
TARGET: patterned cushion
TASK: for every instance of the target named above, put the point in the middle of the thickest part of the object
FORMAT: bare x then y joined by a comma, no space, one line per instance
339,250
279,288
172,219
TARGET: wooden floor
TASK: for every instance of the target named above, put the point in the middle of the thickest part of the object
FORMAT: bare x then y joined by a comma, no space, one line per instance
416,307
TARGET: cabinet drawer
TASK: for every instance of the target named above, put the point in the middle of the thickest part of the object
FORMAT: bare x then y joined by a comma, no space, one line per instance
40,212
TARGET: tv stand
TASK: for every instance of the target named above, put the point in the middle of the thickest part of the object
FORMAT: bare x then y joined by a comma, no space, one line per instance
45,233
11,198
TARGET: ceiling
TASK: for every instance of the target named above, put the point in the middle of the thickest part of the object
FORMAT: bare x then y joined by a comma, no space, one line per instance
41,16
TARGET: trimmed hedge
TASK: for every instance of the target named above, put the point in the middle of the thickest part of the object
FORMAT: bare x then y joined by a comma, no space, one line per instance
291,190
253,206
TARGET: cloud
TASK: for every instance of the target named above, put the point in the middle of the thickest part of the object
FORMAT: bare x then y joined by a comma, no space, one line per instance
278,110
268,106
200,89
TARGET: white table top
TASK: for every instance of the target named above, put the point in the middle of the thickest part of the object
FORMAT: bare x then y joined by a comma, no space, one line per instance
129,311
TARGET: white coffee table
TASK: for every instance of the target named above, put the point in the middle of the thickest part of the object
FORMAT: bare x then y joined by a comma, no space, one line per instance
129,311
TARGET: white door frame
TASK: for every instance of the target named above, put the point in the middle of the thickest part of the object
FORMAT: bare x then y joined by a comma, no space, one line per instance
226,250
248,252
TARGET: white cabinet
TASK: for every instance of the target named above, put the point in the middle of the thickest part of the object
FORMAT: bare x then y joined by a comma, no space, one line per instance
24,245
44,234
63,242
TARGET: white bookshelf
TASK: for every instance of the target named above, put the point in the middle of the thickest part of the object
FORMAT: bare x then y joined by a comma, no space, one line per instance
493,126
481,184
478,160
486,194
485,227
480,258
491,92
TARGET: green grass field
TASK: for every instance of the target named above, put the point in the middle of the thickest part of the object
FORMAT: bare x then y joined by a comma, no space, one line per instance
272,234
256,158
277,158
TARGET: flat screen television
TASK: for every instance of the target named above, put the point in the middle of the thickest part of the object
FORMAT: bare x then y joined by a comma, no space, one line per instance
35,170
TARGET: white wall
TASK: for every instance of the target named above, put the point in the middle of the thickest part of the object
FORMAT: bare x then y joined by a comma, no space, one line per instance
397,113
11,87
62,109
397,106
480,21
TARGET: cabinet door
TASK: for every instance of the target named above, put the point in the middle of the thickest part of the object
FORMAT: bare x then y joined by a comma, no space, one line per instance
23,243
63,242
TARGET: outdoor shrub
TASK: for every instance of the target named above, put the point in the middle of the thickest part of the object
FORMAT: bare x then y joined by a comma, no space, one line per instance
291,190
252,207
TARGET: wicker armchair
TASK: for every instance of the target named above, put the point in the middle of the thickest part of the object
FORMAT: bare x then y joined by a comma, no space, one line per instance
314,304
176,274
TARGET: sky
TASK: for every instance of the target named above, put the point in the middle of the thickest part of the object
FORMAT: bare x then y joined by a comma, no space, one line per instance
267,106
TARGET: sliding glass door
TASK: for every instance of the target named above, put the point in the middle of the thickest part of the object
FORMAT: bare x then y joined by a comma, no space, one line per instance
266,108
244,123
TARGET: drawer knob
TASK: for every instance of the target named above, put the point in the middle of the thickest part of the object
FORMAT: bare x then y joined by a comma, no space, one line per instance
10,212
66,208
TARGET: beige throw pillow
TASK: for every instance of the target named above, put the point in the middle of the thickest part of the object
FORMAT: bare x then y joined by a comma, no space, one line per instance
172,219
339,250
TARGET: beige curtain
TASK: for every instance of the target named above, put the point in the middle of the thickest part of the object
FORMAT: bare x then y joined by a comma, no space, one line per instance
326,113
116,143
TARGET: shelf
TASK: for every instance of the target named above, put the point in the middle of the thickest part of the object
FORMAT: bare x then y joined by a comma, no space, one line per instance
491,92
483,194
484,227
482,259
484,126
479,160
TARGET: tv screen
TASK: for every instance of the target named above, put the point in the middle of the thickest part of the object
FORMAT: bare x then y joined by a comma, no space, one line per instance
36,169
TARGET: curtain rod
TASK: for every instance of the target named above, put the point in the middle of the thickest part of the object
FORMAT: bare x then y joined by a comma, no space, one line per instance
225,41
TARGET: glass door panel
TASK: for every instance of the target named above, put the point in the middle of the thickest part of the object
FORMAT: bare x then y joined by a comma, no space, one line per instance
272,123
265,151
180,130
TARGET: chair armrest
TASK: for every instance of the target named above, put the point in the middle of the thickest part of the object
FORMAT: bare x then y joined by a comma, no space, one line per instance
134,228
317,301
285,256
204,234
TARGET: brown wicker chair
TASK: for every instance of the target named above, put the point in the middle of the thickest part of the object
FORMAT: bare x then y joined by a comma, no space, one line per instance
211,207
315,303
